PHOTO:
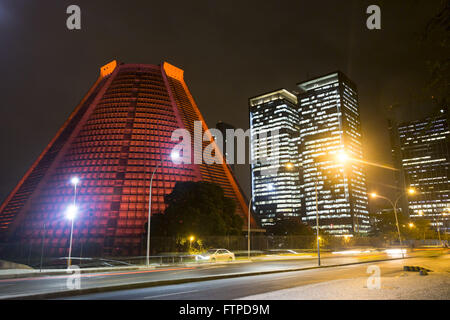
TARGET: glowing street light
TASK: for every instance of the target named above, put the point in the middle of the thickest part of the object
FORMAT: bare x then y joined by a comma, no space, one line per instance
75,180
71,212
289,165
411,225
342,156
411,191
175,155
191,239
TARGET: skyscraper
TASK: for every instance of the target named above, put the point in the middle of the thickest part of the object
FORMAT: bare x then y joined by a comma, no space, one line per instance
274,126
330,124
424,159
113,141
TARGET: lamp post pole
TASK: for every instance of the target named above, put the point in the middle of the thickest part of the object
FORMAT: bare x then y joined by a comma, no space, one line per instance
317,223
248,228
394,206
75,182
438,227
316,182
42,249
150,215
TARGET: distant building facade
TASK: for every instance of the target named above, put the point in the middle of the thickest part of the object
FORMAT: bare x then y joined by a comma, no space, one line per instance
330,124
274,136
423,158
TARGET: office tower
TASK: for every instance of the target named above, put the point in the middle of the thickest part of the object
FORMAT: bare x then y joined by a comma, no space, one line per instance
229,155
274,126
330,125
423,150
113,141
399,173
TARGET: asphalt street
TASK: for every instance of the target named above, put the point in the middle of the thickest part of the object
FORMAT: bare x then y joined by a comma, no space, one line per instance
346,282
34,285
230,288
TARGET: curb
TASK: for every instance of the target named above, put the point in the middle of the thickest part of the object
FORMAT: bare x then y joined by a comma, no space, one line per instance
64,272
70,293
96,270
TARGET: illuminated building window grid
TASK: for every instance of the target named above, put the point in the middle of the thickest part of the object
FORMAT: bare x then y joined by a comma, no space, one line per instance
425,159
310,107
99,193
284,196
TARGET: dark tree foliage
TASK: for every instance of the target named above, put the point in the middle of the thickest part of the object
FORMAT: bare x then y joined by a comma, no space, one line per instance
384,225
290,226
200,209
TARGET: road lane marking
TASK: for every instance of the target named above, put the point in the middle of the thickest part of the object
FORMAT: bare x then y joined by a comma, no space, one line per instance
168,294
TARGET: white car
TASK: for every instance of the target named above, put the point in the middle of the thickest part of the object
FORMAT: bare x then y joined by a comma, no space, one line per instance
214,255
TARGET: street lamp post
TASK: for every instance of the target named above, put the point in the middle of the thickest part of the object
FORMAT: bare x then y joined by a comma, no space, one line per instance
174,156
150,216
72,210
288,166
317,209
394,206
191,238
438,226
42,249
317,222
248,228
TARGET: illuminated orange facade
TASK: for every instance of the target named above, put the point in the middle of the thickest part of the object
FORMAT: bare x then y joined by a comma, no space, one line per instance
112,141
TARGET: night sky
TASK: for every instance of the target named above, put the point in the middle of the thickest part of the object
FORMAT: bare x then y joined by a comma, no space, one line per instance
230,51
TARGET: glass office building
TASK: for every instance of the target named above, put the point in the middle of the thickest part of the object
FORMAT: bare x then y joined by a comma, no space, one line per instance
423,150
330,125
274,126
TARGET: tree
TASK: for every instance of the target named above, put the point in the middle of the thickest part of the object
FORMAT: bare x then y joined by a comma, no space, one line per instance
200,209
290,226
385,225
422,229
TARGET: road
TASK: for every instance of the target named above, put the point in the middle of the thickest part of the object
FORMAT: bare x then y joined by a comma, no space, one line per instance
37,285
346,282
